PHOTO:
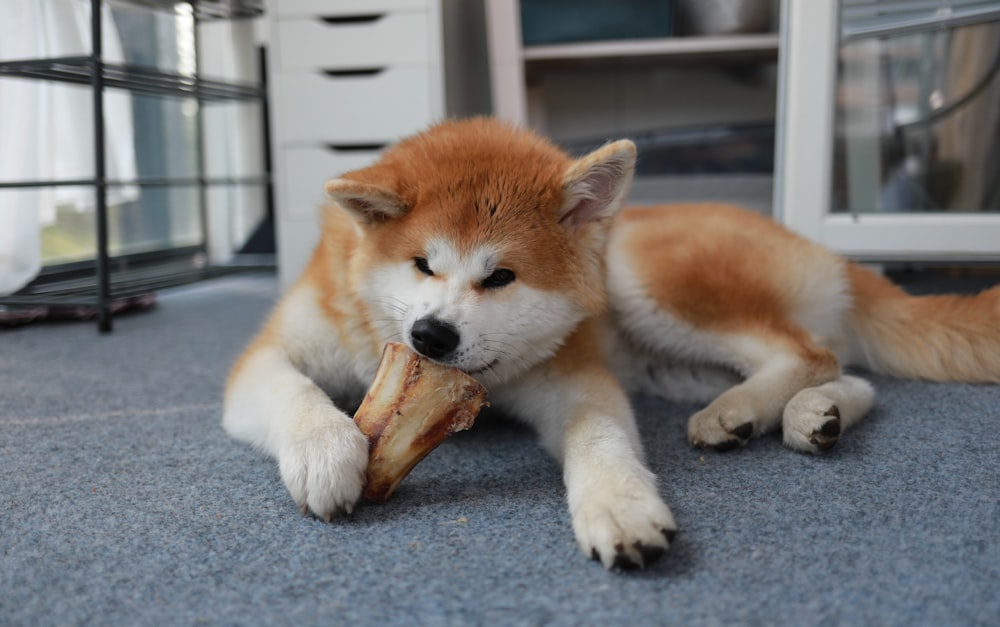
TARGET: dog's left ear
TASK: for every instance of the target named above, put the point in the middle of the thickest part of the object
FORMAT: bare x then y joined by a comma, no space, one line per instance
595,186
372,204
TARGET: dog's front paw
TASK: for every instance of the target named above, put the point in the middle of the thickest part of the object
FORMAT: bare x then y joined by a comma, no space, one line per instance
811,422
624,529
323,466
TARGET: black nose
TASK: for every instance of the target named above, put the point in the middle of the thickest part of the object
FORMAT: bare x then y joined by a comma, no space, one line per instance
433,338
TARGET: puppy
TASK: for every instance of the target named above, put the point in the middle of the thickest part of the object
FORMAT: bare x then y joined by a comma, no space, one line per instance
487,248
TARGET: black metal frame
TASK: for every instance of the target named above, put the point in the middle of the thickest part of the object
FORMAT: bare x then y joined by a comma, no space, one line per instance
107,278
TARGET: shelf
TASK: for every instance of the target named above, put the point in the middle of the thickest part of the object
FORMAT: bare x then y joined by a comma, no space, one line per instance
130,282
159,182
869,20
730,47
143,80
208,9
105,284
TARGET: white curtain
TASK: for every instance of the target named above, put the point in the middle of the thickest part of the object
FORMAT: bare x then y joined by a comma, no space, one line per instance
46,129
233,142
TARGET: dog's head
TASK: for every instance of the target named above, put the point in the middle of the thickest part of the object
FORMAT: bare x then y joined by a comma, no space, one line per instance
482,245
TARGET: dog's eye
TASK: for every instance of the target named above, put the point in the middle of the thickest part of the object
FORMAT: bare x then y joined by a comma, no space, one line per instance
499,278
421,265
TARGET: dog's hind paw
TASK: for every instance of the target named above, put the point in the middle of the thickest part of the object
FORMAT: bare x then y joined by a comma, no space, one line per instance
722,426
811,423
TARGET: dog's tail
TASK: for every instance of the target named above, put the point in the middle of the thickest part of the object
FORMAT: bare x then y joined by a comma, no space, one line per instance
939,338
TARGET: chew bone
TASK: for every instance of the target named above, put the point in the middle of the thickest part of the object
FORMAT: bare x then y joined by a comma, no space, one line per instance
411,407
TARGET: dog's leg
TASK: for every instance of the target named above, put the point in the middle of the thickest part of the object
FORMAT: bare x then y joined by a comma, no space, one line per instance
815,417
322,455
778,363
618,516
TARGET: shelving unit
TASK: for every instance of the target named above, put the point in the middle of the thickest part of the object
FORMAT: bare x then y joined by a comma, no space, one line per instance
650,89
674,49
514,64
109,280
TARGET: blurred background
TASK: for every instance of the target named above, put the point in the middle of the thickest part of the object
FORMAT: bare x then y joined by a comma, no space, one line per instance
872,127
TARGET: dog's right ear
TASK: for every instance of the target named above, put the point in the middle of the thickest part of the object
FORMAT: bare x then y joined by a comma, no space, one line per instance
371,204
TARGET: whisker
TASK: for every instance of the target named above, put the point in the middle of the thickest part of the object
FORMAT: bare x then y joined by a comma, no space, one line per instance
394,304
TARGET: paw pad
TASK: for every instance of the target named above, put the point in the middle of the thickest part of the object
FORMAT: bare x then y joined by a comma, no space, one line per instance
647,554
744,431
828,434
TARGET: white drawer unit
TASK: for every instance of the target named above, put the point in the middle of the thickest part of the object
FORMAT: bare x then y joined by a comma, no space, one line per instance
339,42
311,168
349,77
308,8
368,107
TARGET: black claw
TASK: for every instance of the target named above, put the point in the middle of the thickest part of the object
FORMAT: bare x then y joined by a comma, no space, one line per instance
623,562
594,554
649,553
669,534
824,445
744,431
728,445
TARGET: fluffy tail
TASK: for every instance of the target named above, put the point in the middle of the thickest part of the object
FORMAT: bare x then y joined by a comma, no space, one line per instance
939,338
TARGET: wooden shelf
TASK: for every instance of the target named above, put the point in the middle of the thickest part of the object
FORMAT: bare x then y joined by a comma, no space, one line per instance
522,76
736,47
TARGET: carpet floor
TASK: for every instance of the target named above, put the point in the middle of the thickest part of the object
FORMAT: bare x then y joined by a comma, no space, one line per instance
125,503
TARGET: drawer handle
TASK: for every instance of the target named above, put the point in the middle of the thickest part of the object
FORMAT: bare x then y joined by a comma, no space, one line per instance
373,71
354,147
339,20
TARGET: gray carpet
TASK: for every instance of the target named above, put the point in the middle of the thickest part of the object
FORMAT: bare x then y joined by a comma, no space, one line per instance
124,503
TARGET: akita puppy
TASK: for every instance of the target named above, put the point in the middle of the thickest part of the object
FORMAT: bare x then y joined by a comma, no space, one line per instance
487,248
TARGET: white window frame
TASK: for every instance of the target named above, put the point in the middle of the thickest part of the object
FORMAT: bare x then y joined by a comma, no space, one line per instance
810,37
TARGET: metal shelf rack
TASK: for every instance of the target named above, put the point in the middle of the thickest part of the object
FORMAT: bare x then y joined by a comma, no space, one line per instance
109,279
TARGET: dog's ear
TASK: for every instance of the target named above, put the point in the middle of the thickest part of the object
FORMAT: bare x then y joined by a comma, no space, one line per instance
371,204
595,186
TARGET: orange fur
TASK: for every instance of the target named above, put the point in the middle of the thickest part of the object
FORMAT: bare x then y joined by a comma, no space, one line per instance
481,182
726,270
941,338
723,268
717,266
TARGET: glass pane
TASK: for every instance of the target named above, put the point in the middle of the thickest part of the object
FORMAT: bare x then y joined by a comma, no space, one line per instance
236,219
157,38
160,39
137,220
69,232
46,130
159,218
917,124
56,225
233,139
165,141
